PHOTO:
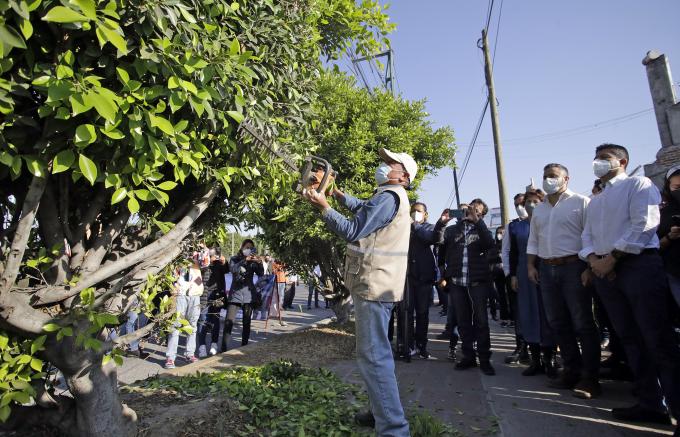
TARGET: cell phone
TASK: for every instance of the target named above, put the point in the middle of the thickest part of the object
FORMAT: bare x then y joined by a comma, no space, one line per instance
457,213
676,220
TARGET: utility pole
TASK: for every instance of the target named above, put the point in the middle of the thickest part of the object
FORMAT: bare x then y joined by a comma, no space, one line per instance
500,173
455,184
389,69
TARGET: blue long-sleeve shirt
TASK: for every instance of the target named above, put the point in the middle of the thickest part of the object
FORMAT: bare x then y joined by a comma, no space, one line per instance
369,215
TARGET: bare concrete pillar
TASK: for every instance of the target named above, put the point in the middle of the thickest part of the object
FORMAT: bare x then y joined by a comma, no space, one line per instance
667,111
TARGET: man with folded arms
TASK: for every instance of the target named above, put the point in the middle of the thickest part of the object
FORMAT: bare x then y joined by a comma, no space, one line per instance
622,249
555,238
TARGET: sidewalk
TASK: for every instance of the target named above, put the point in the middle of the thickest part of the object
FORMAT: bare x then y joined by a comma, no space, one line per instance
508,403
134,369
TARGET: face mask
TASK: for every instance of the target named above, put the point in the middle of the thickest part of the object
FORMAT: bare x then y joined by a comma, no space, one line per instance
675,194
521,211
246,252
603,166
499,237
530,206
552,185
417,216
382,172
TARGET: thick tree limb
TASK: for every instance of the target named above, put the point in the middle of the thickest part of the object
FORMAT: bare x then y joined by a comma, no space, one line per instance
50,295
101,246
15,313
136,335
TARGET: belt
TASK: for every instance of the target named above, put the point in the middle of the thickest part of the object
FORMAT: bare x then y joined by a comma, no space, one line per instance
560,260
628,255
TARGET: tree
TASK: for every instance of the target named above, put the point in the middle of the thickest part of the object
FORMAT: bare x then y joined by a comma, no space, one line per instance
349,126
119,139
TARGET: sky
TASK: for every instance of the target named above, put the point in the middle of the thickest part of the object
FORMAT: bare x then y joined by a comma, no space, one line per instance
559,65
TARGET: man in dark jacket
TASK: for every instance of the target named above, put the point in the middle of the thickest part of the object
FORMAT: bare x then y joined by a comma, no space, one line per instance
422,274
463,259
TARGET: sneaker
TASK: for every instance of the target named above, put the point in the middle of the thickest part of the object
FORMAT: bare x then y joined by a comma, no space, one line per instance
487,368
513,357
365,418
282,323
191,358
169,364
465,364
452,354
423,353
587,389
202,353
412,352
213,349
638,413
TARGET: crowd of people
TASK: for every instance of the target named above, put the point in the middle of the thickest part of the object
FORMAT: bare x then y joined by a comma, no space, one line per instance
211,294
573,275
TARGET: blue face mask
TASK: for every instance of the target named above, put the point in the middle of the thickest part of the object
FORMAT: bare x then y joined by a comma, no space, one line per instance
382,172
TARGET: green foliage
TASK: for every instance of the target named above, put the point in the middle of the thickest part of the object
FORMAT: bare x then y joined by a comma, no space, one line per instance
349,127
19,368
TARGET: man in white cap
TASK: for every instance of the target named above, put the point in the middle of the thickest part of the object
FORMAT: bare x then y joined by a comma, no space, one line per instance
375,273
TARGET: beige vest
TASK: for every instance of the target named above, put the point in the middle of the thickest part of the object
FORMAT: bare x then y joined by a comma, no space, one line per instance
375,266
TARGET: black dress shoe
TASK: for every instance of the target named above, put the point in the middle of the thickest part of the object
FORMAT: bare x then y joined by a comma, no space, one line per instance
423,353
487,368
365,418
677,431
638,413
465,364
513,357
587,389
564,382
534,369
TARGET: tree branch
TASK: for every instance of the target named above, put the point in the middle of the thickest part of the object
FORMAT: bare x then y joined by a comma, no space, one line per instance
56,294
78,243
101,245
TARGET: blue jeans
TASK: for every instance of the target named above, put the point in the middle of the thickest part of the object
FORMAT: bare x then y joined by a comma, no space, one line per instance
132,318
569,309
636,304
376,365
189,307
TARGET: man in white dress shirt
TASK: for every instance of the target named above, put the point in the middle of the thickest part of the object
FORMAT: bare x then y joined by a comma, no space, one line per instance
555,238
622,249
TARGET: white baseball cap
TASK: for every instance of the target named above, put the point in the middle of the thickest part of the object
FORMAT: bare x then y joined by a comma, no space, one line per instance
403,158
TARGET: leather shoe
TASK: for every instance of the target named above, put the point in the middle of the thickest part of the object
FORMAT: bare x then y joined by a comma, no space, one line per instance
565,382
487,368
587,389
465,364
638,413
365,418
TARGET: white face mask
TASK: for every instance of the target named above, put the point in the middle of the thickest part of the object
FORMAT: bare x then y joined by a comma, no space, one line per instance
521,211
382,172
499,237
552,185
246,252
417,216
530,206
603,166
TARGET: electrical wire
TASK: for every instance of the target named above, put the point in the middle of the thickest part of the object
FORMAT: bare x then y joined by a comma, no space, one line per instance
498,31
488,15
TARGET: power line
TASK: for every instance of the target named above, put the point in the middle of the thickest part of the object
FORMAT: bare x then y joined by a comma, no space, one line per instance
566,133
488,15
498,31
474,140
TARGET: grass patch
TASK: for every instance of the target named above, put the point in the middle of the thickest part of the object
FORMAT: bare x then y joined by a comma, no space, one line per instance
282,398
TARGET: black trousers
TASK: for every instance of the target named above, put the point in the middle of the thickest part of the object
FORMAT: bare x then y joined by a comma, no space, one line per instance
211,325
420,295
500,284
232,309
289,296
636,304
473,319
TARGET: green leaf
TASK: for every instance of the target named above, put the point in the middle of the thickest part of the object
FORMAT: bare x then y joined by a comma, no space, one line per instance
61,14
133,205
167,185
79,104
87,7
173,82
108,34
145,195
11,37
4,413
236,116
88,168
36,364
118,195
85,135
26,28
112,180
235,47
51,327
63,161
37,344
114,134
35,166
104,105
123,75
162,123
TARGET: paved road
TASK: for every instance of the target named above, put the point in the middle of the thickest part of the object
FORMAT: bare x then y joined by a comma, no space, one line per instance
508,403
134,369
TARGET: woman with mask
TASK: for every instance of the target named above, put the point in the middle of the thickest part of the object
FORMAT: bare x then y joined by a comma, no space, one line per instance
535,330
669,230
243,266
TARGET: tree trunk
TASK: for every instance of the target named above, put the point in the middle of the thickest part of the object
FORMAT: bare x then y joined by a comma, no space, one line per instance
99,411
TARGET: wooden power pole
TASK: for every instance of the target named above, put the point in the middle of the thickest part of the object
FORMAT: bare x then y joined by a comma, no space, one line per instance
500,172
